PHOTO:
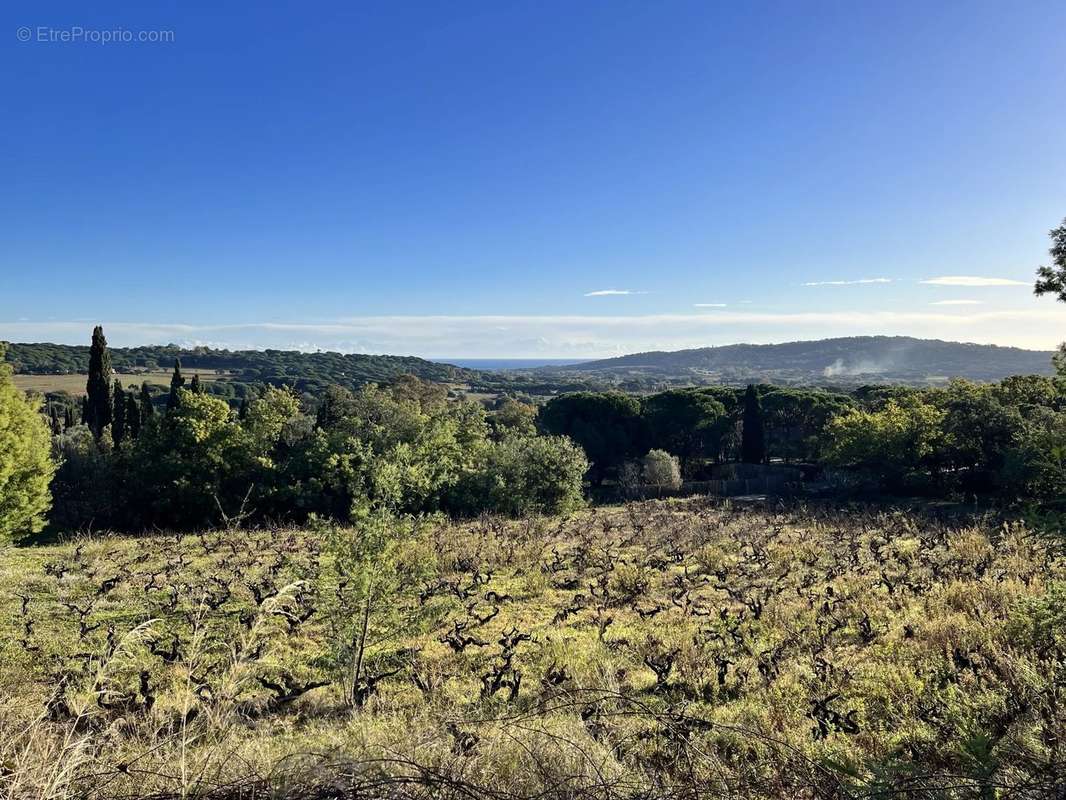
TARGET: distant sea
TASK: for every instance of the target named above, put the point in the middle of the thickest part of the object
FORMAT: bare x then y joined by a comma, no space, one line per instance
508,363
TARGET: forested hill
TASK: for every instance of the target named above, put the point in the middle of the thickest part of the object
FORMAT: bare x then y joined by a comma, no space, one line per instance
887,359
248,366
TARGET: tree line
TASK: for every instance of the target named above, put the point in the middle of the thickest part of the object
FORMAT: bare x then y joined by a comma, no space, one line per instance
1006,438
189,460
133,463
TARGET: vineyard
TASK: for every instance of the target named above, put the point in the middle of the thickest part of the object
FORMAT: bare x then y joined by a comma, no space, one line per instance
653,650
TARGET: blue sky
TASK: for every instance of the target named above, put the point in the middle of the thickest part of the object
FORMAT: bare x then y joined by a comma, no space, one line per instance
473,179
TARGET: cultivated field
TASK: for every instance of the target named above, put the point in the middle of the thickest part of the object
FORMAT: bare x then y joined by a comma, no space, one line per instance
664,649
75,383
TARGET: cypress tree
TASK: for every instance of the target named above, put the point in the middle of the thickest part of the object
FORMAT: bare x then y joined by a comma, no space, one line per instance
68,418
118,414
753,440
195,386
146,408
97,410
176,382
53,418
242,414
133,416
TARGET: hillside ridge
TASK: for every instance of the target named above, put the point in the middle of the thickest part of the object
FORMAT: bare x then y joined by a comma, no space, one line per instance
880,357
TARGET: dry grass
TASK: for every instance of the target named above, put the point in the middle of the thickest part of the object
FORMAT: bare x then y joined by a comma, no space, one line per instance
75,384
663,649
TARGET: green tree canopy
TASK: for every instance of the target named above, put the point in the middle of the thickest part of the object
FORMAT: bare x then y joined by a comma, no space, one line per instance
606,425
26,466
903,438
685,422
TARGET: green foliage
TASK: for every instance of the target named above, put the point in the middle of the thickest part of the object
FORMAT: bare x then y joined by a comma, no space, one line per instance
513,418
363,574
607,426
118,414
84,483
133,415
753,443
892,444
685,422
311,372
1035,463
144,403
1052,279
177,381
181,471
660,470
98,408
521,476
26,466
978,429
794,420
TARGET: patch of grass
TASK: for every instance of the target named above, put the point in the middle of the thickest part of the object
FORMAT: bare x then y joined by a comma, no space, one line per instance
74,384
655,649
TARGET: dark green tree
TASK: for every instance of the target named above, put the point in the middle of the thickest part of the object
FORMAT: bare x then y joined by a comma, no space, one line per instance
133,416
118,414
176,383
97,409
195,386
753,441
147,410
607,425
68,418
1052,280
685,423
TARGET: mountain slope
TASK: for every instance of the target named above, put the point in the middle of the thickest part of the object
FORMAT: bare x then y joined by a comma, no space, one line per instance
851,359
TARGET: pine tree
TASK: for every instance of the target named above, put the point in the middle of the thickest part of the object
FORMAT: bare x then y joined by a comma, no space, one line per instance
97,410
118,414
753,440
26,465
133,416
176,383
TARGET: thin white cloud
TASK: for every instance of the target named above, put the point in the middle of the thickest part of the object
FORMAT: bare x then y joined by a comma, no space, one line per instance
564,336
709,305
611,292
972,280
848,283
958,303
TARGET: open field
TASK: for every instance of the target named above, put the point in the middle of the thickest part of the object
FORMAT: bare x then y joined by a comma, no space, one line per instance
664,649
75,383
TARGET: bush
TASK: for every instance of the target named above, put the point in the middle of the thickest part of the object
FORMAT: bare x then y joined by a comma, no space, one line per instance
1036,465
522,476
661,470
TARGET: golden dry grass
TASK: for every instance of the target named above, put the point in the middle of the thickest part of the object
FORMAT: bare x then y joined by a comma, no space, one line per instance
662,649
75,384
